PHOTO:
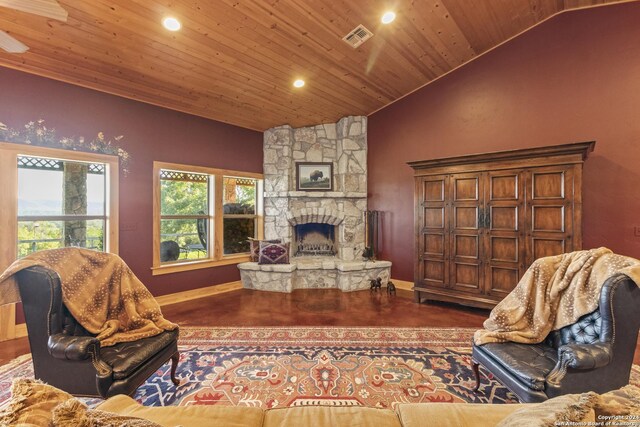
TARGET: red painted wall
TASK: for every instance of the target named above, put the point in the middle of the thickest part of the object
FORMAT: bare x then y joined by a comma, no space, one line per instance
573,78
150,133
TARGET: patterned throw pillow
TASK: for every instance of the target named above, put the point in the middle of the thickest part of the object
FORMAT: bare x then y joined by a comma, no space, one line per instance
274,253
255,248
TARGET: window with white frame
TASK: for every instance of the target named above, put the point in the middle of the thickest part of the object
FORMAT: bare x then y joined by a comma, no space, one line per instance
203,216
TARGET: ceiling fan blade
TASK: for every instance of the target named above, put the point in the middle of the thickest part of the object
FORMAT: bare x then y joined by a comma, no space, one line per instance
48,8
11,45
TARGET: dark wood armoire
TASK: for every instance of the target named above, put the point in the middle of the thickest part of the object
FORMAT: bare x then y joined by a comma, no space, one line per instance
482,219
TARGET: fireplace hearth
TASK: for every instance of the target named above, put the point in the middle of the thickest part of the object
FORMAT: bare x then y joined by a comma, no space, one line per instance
314,239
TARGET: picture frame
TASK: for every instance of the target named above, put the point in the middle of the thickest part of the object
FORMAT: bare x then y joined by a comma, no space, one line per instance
314,176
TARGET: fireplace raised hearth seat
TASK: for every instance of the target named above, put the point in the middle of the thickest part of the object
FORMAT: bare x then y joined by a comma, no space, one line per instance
313,273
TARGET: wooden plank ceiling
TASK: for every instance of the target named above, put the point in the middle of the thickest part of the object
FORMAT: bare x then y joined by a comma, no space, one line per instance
235,60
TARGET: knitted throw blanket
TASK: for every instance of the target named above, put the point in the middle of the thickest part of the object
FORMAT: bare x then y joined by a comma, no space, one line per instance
100,291
554,292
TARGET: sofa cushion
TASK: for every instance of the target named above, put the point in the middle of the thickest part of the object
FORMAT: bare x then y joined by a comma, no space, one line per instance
570,409
454,414
530,363
330,416
31,403
124,358
186,416
74,413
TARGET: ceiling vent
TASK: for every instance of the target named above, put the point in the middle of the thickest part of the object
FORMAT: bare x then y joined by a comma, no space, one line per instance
358,36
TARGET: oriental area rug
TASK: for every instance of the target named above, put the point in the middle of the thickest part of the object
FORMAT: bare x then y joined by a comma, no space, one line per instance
271,367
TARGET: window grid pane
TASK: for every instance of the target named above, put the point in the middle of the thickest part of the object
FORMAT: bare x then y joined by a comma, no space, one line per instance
183,239
237,232
239,214
60,203
239,196
184,216
188,195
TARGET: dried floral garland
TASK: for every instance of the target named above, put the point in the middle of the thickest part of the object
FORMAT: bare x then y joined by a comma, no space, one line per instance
36,133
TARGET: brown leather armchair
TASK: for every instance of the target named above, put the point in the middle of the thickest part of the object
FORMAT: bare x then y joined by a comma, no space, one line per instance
593,354
66,356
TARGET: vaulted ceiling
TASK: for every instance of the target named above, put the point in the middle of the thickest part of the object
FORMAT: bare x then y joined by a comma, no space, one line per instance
235,60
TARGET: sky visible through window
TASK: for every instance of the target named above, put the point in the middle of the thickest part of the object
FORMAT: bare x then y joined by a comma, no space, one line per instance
40,193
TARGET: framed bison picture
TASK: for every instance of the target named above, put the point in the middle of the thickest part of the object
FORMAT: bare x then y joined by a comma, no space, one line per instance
314,176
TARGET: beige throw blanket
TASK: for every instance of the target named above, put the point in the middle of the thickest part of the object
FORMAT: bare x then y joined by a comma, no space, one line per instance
553,293
99,290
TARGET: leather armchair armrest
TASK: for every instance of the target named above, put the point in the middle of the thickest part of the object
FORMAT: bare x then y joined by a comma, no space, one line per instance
69,347
579,356
586,356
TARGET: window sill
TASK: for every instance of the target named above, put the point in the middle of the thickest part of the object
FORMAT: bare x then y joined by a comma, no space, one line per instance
196,265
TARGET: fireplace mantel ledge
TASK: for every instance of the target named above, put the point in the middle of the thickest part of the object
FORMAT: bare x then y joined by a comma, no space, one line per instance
316,194
315,264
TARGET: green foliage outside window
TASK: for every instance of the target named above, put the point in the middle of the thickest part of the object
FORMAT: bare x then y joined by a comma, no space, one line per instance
184,198
42,235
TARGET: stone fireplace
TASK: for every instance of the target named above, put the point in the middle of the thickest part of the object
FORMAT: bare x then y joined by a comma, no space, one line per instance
325,229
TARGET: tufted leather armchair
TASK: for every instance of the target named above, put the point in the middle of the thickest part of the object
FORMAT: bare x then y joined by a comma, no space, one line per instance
593,354
66,356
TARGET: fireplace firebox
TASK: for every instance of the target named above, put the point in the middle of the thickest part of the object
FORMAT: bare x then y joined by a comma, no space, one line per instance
314,239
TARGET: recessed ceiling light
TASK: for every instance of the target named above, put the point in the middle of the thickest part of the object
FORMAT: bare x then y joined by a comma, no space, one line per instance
388,17
171,23
298,83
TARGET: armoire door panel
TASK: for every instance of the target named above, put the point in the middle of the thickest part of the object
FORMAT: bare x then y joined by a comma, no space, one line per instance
503,280
465,233
465,217
547,247
434,217
433,246
548,185
504,249
504,246
434,243
433,190
466,246
434,273
466,277
550,211
503,187
548,218
465,188
503,218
